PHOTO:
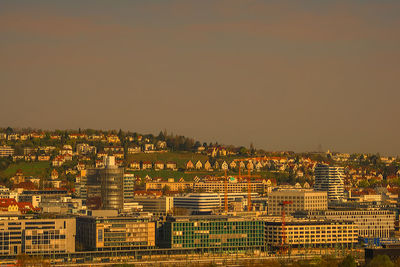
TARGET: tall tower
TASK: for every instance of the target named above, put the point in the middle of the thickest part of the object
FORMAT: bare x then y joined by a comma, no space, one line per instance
330,179
107,184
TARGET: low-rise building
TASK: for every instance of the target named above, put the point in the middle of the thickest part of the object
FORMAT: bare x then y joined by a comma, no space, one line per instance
115,232
232,186
173,186
371,223
155,205
212,233
302,199
37,236
306,233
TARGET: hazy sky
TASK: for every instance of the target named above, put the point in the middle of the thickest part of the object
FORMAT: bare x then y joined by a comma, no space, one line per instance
285,75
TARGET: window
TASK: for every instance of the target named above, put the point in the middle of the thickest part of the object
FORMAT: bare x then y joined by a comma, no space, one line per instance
100,235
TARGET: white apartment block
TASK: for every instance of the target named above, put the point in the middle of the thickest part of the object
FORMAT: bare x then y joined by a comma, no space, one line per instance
303,199
331,180
371,223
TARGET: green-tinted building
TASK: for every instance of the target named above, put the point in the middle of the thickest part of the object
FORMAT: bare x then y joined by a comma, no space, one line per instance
212,233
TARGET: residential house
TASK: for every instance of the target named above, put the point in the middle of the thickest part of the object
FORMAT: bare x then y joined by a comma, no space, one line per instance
232,165
224,166
159,165
259,166
207,166
216,165
113,139
242,165
134,149
161,144
189,165
199,165
148,147
171,165
54,174
135,165
43,158
37,135
57,161
146,165
55,137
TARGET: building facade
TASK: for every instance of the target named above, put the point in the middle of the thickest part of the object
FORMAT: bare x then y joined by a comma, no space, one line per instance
156,205
371,223
331,180
233,187
207,203
115,233
303,199
37,236
212,233
107,184
303,233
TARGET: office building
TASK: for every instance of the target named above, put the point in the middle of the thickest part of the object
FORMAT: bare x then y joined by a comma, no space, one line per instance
212,233
371,223
115,232
232,187
303,233
331,180
155,205
37,236
207,203
106,184
129,187
303,199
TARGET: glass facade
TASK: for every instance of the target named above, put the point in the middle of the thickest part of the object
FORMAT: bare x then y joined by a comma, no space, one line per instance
227,234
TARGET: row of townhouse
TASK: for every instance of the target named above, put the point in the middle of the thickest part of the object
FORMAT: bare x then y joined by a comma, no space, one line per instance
158,165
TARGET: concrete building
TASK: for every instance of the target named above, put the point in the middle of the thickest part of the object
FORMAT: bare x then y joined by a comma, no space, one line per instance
129,187
102,233
156,205
331,180
303,199
207,203
212,233
107,184
371,223
233,187
171,185
304,233
37,236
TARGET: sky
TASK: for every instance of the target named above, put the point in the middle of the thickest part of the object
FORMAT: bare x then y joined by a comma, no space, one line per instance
283,75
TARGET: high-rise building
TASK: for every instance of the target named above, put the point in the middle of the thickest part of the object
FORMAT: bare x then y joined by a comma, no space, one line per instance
330,179
106,184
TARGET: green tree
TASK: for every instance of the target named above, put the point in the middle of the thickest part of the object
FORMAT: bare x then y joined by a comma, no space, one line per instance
349,261
381,261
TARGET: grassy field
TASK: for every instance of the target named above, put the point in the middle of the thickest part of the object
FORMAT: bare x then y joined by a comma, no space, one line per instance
37,169
181,158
